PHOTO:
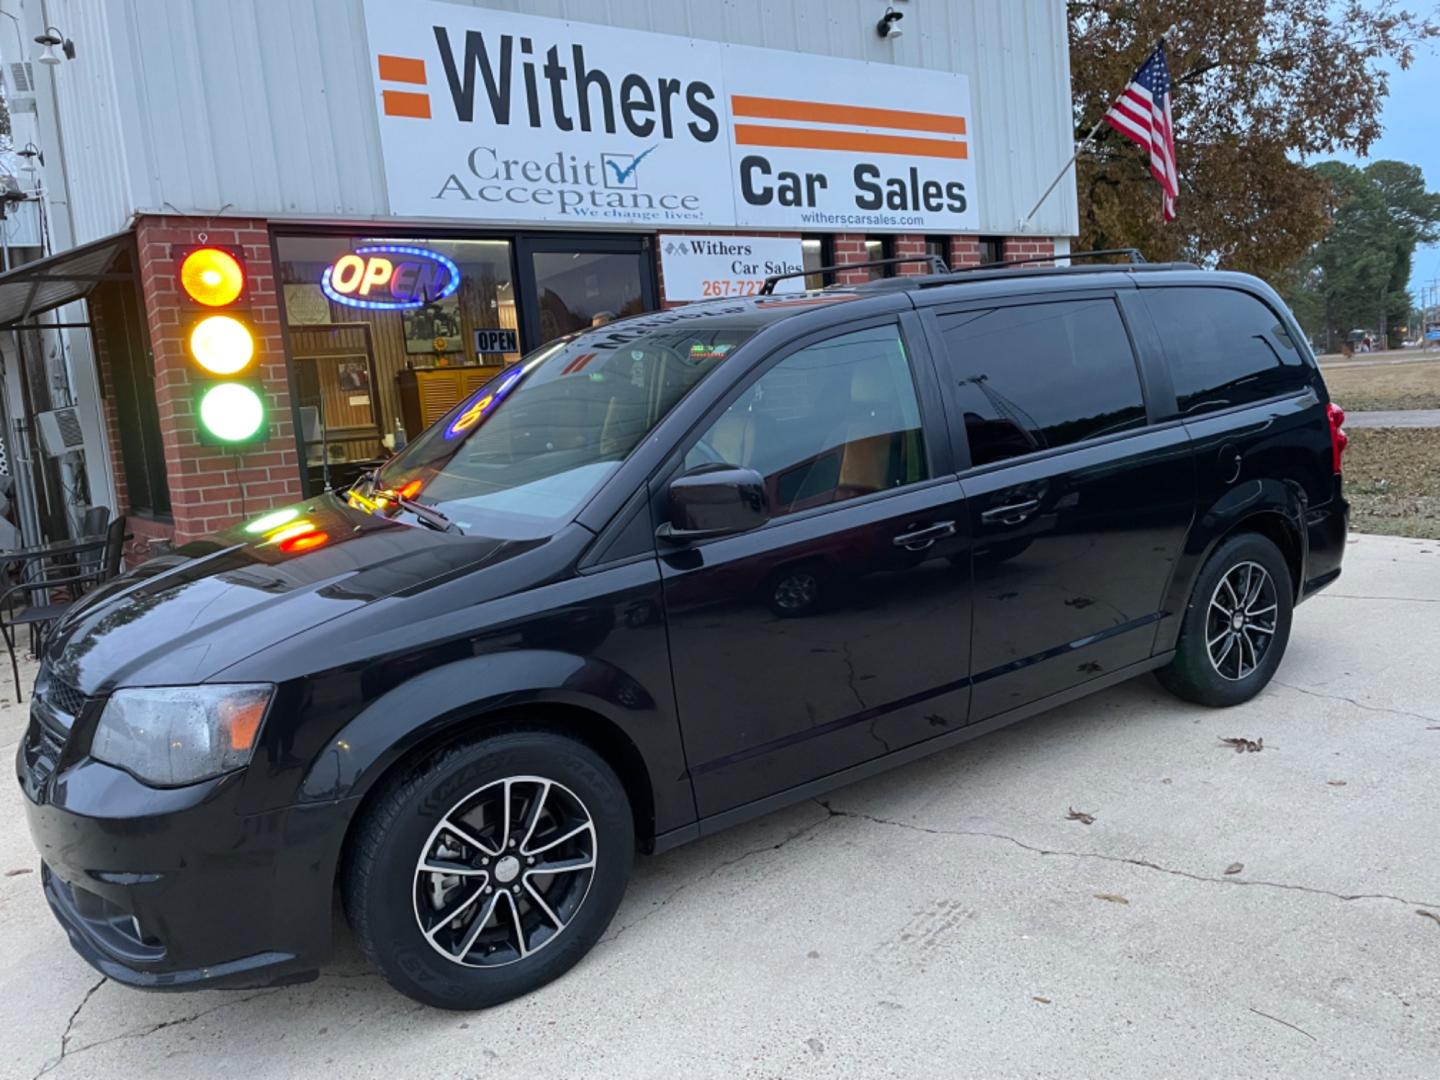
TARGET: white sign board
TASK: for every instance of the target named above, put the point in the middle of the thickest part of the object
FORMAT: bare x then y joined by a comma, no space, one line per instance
505,117
703,266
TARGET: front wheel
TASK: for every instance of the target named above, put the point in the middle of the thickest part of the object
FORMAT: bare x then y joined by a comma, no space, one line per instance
490,869
1236,627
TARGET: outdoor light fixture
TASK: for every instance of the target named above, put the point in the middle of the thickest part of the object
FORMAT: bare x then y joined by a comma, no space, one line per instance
30,153
888,26
229,406
231,412
222,345
51,38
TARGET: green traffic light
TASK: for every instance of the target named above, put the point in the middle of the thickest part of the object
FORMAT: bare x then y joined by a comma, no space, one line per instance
231,412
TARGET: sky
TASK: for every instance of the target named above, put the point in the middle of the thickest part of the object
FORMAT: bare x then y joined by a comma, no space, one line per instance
1409,117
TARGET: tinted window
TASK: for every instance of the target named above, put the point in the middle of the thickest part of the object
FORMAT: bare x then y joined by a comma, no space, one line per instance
833,421
1225,348
1037,376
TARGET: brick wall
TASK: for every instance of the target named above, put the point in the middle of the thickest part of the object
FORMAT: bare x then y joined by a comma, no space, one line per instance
213,487
849,248
910,246
964,251
1028,247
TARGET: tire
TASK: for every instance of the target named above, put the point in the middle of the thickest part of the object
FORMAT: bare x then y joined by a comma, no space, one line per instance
1194,674
418,926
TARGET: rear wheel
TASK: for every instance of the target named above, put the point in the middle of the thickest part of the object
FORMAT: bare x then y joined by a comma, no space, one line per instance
491,869
1236,627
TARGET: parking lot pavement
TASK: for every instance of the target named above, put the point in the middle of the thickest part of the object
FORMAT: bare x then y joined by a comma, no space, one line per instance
943,919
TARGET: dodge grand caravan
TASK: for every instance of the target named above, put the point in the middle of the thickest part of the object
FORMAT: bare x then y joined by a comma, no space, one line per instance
657,578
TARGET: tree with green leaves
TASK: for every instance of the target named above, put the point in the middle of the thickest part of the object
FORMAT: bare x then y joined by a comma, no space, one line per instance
1259,86
1358,275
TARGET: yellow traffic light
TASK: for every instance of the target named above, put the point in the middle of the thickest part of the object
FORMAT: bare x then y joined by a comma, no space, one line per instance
222,345
212,277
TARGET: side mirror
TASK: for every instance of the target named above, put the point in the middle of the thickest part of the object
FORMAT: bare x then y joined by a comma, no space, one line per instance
715,500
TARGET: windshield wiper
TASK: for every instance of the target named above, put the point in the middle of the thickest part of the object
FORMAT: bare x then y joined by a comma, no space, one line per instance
427,514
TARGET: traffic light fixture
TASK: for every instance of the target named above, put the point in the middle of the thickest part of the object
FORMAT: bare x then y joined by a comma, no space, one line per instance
229,398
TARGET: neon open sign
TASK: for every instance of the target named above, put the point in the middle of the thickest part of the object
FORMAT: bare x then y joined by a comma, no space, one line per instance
384,276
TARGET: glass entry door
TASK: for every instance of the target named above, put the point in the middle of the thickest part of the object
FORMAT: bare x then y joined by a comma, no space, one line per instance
584,282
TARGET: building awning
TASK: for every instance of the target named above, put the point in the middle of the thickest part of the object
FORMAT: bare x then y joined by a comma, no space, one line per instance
51,282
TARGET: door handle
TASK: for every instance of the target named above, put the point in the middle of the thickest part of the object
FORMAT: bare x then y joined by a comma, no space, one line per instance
921,539
1014,514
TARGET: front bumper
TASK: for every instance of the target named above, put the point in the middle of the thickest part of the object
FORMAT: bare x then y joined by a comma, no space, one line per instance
173,889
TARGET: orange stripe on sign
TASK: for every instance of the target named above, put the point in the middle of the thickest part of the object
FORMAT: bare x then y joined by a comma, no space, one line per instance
820,112
813,139
402,69
404,103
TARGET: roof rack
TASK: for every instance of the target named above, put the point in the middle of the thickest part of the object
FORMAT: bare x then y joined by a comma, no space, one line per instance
936,263
1133,254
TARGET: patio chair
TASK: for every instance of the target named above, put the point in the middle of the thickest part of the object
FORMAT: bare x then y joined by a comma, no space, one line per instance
87,571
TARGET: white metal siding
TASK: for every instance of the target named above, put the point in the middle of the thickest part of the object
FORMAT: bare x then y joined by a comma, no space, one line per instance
265,107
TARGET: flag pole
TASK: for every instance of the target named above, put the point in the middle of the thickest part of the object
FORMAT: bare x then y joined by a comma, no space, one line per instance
1084,145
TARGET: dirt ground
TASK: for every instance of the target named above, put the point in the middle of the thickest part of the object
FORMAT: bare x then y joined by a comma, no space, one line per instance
1383,384
1392,479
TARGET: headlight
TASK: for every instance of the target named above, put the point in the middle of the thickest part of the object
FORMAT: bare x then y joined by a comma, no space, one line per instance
172,735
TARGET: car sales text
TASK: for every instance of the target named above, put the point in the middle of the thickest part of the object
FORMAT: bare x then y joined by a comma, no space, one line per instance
761,185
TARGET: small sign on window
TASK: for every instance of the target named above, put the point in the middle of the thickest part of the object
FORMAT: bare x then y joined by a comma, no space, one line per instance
496,341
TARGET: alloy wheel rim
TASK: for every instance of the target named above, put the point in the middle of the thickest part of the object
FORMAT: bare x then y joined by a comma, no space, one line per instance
1240,622
505,871
796,591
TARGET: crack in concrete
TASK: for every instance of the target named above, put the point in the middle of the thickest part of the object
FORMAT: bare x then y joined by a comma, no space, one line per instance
717,868
69,1026
1144,863
141,1033
1357,704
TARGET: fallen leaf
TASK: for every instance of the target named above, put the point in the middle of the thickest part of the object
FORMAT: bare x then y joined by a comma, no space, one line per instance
1234,868
1164,780
1110,896
1042,1001
1335,783
17,873
1243,746
1080,816
1427,914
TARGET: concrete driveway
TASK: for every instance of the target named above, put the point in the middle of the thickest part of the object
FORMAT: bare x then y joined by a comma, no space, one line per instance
945,919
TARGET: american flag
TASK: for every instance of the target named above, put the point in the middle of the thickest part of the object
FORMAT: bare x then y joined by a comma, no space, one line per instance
1143,115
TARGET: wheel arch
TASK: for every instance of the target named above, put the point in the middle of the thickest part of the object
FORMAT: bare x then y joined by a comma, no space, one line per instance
1274,509
440,707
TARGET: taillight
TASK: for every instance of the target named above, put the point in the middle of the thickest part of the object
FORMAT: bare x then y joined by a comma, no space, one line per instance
1338,439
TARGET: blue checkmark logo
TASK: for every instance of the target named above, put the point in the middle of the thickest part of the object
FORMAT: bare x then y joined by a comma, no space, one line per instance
622,175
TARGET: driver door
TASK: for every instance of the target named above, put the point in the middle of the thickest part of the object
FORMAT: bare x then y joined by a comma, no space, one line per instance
838,631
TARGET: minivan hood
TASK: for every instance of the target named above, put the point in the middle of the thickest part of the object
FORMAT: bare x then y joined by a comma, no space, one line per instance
180,619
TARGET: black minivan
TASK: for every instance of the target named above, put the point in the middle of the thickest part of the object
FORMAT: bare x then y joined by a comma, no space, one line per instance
660,577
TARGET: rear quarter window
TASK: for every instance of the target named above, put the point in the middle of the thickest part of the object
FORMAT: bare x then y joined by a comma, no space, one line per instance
1034,377
1225,348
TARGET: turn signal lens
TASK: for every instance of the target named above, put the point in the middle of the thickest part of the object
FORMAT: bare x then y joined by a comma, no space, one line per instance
221,345
240,717
211,277
232,412
410,490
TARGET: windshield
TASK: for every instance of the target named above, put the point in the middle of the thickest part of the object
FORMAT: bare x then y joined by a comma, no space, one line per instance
523,453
